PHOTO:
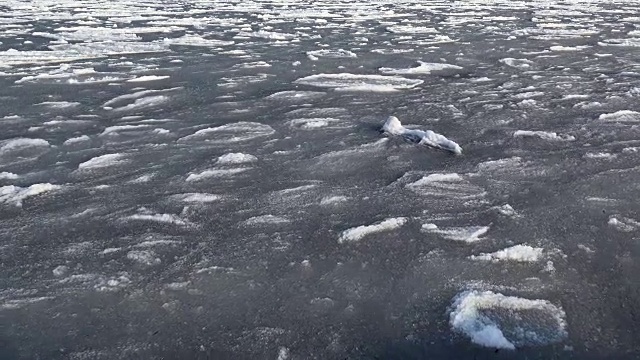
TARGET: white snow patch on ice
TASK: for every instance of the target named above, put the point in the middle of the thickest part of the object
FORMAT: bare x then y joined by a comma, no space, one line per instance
357,233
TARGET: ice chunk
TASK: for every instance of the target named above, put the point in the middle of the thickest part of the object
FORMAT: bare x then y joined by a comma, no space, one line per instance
519,253
506,322
517,63
348,82
422,68
331,200
76,140
393,127
544,135
102,161
196,197
332,53
266,220
624,224
297,96
623,116
22,146
357,233
469,234
230,133
215,173
145,257
148,78
194,40
236,158
8,176
159,218
15,194
446,185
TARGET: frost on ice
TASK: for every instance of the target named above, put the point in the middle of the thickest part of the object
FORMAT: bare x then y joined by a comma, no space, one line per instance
506,322
429,138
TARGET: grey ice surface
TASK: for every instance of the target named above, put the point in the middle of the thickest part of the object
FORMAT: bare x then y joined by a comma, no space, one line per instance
208,180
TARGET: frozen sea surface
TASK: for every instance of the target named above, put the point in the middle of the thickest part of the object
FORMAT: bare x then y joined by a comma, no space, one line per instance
209,179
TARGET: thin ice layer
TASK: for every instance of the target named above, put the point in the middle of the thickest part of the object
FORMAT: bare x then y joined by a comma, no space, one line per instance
394,127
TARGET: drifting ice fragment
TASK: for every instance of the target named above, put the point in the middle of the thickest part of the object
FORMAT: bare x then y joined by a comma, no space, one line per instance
394,127
507,322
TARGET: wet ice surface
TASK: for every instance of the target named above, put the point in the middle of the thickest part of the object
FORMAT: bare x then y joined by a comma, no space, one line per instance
208,179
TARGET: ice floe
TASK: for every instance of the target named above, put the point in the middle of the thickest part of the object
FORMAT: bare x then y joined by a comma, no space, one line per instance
623,224
147,78
332,53
296,96
23,147
206,174
15,195
506,322
358,233
353,82
544,135
5,175
145,257
469,234
393,127
102,161
622,116
517,63
196,198
517,253
159,218
236,158
451,185
422,68
266,220
230,133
